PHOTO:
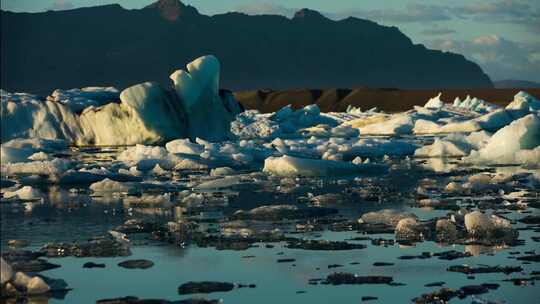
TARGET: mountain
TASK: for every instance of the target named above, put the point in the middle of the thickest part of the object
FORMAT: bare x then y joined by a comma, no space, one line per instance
388,100
521,84
110,45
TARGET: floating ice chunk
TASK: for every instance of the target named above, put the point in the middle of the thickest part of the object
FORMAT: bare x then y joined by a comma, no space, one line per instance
454,187
398,124
111,186
225,182
252,124
37,286
193,200
408,229
435,102
6,272
366,121
184,146
422,126
446,230
514,143
379,147
158,171
181,163
26,193
294,166
148,199
523,101
477,223
330,155
357,160
21,280
222,171
475,104
478,139
443,148
157,155
50,167
344,131
481,226
19,149
307,121
386,216
39,156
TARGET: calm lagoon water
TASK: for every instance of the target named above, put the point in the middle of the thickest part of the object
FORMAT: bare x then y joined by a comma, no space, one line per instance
66,216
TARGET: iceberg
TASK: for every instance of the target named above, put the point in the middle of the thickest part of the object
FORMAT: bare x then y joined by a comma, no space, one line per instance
443,148
147,113
475,104
516,143
435,102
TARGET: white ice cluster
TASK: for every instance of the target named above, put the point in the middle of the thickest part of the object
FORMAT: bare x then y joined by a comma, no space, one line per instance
204,128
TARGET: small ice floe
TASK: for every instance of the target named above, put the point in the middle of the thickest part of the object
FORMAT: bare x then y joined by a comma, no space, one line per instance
17,284
25,149
51,168
184,146
397,124
482,226
524,102
387,216
443,148
221,183
517,143
294,166
26,193
148,200
408,229
222,171
111,186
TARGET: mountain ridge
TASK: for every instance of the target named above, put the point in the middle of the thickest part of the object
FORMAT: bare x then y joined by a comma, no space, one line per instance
109,45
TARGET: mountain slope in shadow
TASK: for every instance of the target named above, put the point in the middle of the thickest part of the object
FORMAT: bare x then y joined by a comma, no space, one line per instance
110,45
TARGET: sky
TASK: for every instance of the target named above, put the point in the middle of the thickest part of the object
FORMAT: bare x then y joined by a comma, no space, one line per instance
502,36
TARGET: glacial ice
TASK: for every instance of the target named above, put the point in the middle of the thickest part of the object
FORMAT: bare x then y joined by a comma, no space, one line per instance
111,186
474,104
442,148
203,128
147,113
516,143
6,272
482,226
79,99
435,102
294,166
26,193
386,216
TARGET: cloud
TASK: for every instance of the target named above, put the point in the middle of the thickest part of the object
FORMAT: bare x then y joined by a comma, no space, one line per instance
438,32
499,11
265,8
499,57
411,13
501,8
61,5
